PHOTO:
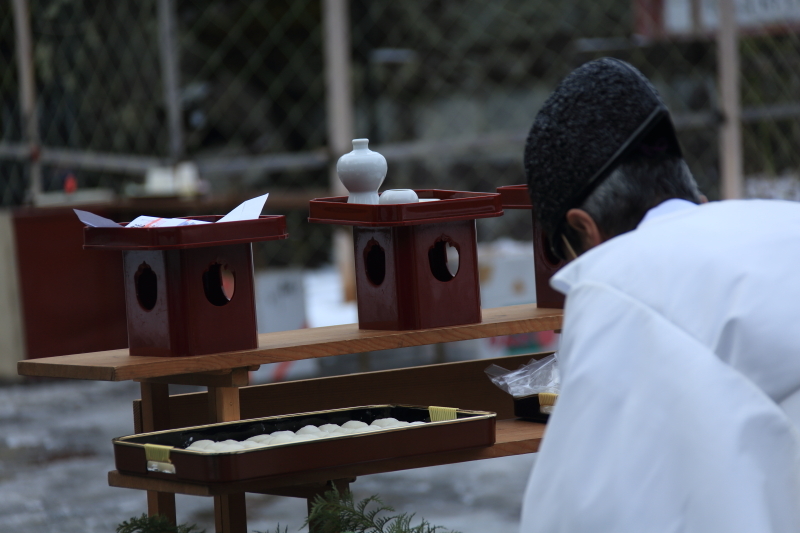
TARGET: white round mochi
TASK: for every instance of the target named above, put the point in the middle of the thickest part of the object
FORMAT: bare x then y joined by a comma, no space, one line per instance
201,444
354,424
284,433
223,447
259,438
384,422
281,439
305,436
329,428
416,423
230,441
251,444
308,430
401,424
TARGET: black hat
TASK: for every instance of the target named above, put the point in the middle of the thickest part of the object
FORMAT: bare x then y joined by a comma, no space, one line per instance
599,114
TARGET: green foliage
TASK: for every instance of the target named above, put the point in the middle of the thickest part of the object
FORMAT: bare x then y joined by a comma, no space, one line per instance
332,512
336,512
154,524
277,530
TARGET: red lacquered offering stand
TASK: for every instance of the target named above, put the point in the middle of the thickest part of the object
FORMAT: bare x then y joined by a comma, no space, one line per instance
189,289
545,263
403,279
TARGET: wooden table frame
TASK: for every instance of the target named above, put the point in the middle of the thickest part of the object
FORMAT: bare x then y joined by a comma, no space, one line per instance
462,385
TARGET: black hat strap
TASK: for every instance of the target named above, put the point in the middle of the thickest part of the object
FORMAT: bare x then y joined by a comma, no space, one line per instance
654,119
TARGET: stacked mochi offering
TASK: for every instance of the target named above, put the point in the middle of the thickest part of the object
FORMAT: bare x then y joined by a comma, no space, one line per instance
306,433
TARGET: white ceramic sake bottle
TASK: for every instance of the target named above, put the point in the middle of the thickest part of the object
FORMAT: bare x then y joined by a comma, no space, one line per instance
362,171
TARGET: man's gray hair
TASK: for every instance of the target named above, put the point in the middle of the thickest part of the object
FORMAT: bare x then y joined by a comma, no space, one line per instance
637,185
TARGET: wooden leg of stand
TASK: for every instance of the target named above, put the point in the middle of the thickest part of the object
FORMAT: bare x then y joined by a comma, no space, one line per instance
162,503
342,485
224,403
155,417
230,511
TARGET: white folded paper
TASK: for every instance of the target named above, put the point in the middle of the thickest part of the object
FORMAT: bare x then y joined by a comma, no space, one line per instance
248,210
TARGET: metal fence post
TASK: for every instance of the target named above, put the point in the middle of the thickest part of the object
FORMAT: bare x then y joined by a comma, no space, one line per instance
730,135
338,84
27,94
339,104
170,75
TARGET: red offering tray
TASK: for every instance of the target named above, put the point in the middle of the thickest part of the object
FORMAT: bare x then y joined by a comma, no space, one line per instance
405,278
189,290
163,454
545,263
514,197
265,228
450,207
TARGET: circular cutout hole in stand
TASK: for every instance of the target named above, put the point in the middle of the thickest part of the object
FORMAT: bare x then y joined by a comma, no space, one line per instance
146,283
219,284
549,256
443,258
375,263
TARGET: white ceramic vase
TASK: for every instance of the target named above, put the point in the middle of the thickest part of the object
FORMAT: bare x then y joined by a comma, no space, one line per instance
362,171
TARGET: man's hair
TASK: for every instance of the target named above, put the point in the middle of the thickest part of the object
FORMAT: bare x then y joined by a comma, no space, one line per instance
638,184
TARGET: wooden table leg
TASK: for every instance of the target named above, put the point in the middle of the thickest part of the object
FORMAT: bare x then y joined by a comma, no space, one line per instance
230,513
223,404
155,417
230,510
342,485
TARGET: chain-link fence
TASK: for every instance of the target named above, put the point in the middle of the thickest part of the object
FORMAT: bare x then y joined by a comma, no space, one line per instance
446,90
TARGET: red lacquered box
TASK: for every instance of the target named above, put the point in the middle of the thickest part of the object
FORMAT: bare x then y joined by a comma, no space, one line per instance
163,454
545,263
189,289
404,279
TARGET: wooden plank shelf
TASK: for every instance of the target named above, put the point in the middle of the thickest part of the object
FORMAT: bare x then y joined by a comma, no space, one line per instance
514,437
118,365
463,384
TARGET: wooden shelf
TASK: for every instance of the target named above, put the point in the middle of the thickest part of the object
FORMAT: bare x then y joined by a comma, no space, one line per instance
463,383
514,437
118,365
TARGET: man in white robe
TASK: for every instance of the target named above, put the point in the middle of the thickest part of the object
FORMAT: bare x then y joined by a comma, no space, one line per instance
680,353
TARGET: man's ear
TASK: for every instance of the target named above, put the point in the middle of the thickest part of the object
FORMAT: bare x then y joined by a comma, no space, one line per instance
584,224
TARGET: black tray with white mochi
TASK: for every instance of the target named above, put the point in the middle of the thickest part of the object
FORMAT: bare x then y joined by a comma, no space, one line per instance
276,445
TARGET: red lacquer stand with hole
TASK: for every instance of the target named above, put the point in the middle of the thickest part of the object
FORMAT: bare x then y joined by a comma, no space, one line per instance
189,289
545,263
404,279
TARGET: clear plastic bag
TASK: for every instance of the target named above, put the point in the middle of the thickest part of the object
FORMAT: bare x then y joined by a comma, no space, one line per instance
532,378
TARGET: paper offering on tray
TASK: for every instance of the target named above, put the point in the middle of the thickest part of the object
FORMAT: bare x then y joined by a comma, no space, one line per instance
156,222
247,210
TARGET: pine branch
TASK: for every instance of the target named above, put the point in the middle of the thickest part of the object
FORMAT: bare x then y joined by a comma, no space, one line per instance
277,530
335,512
155,524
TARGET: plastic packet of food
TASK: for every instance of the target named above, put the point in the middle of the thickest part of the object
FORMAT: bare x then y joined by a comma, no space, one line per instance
536,377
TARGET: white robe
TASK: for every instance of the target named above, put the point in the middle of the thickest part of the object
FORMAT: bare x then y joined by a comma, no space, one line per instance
680,341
